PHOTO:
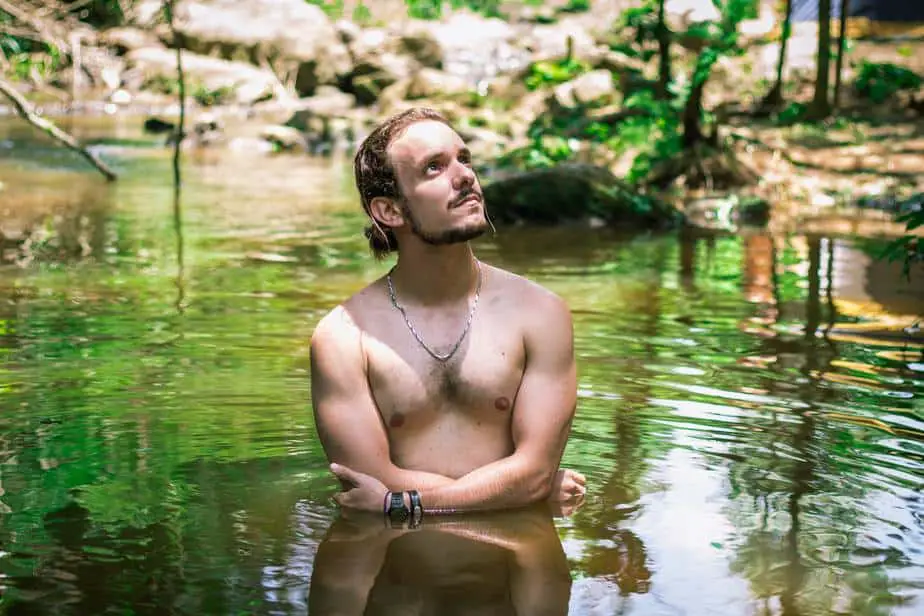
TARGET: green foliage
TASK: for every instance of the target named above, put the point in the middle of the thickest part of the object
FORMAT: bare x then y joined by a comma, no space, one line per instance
333,8
909,248
576,6
362,15
433,9
555,72
209,97
654,133
880,81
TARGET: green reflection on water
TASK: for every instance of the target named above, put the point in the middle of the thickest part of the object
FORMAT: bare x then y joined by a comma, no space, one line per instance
750,415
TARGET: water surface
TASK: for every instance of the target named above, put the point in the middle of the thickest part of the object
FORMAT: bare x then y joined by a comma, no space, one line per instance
750,410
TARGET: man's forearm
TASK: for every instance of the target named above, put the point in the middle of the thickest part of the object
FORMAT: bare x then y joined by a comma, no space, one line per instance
398,479
510,482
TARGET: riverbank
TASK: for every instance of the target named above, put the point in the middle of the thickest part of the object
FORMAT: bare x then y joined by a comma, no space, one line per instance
319,87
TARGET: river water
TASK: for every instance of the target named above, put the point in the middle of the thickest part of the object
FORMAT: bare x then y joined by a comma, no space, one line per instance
750,418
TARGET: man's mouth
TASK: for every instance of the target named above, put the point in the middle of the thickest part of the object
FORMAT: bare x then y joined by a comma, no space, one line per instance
467,200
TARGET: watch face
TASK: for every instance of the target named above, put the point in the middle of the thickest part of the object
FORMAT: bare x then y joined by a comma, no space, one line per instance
398,514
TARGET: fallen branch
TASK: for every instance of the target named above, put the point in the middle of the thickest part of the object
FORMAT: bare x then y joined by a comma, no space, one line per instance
25,110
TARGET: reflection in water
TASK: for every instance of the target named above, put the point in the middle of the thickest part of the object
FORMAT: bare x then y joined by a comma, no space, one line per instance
501,563
749,419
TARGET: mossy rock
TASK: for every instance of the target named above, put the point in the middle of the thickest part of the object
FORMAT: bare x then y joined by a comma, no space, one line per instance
574,193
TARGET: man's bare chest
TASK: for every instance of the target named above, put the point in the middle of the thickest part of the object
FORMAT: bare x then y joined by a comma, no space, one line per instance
478,384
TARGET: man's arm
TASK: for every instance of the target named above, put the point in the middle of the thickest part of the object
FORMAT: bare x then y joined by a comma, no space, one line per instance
348,422
541,421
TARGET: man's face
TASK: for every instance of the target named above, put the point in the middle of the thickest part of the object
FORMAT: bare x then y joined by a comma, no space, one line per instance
440,194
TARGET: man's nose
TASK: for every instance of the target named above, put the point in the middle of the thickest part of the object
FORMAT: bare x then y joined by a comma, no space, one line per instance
465,176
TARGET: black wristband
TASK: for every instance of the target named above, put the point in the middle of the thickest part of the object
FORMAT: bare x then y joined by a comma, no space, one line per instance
397,511
416,508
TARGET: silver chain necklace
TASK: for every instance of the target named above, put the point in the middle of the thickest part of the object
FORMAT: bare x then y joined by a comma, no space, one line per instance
440,357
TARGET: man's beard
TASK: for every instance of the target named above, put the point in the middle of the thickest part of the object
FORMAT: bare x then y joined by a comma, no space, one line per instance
449,236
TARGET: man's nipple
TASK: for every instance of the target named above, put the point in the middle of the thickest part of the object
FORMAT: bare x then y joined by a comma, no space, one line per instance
502,404
396,421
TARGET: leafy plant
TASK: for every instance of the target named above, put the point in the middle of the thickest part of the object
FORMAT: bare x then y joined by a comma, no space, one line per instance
576,6
909,247
881,81
554,72
209,97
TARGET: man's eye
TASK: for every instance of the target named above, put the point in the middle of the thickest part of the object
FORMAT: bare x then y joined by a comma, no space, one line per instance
433,166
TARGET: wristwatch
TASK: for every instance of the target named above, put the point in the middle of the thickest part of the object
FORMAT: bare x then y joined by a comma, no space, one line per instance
397,510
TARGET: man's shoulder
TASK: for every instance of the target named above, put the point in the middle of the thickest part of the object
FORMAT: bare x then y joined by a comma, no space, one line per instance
529,296
345,320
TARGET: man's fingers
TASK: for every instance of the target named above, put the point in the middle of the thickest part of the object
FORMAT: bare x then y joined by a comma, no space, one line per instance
579,478
345,474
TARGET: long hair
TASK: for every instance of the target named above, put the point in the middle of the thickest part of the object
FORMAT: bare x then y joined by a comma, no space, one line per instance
375,176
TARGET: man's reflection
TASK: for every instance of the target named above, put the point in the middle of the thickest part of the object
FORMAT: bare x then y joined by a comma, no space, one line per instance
500,563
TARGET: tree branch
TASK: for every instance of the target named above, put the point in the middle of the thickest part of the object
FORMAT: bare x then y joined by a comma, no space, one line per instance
25,110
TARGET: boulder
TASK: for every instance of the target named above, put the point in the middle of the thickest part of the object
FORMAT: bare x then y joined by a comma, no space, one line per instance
549,42
124,40
595,87
246,84
573,193
681,14
422,45
283,137
433,83
372,75
291,31
327,103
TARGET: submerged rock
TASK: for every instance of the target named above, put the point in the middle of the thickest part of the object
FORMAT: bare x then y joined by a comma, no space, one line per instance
574,193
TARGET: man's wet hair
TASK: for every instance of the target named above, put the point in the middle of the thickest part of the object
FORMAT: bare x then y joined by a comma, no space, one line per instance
375,175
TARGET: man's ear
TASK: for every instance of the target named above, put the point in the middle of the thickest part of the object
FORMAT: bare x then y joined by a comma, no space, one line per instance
386,212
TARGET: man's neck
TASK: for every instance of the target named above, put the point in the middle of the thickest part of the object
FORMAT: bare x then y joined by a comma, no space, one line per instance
435,274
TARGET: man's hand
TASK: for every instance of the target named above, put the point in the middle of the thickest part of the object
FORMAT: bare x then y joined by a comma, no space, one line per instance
567,486
366,494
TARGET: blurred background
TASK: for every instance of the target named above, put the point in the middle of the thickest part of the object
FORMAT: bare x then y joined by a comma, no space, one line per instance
728,194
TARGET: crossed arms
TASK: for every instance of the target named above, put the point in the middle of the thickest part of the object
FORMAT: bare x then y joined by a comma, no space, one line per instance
354,438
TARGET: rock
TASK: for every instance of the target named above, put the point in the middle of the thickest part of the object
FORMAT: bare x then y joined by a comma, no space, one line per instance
245,83
432,83
347,30
474,47
595,87
283,137
124,40
681,14
157,126
328,102
423,46
573,193
292,31
551,42
526,111
727,212
371,76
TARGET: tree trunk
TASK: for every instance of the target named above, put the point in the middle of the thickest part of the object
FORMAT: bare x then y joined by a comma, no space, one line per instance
841,43
692,114
664,53
26,111
774,97
820,106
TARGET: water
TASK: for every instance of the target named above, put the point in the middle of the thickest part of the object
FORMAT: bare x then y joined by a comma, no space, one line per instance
750,411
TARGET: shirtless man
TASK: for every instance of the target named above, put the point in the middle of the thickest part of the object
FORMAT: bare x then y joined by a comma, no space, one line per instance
447,376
